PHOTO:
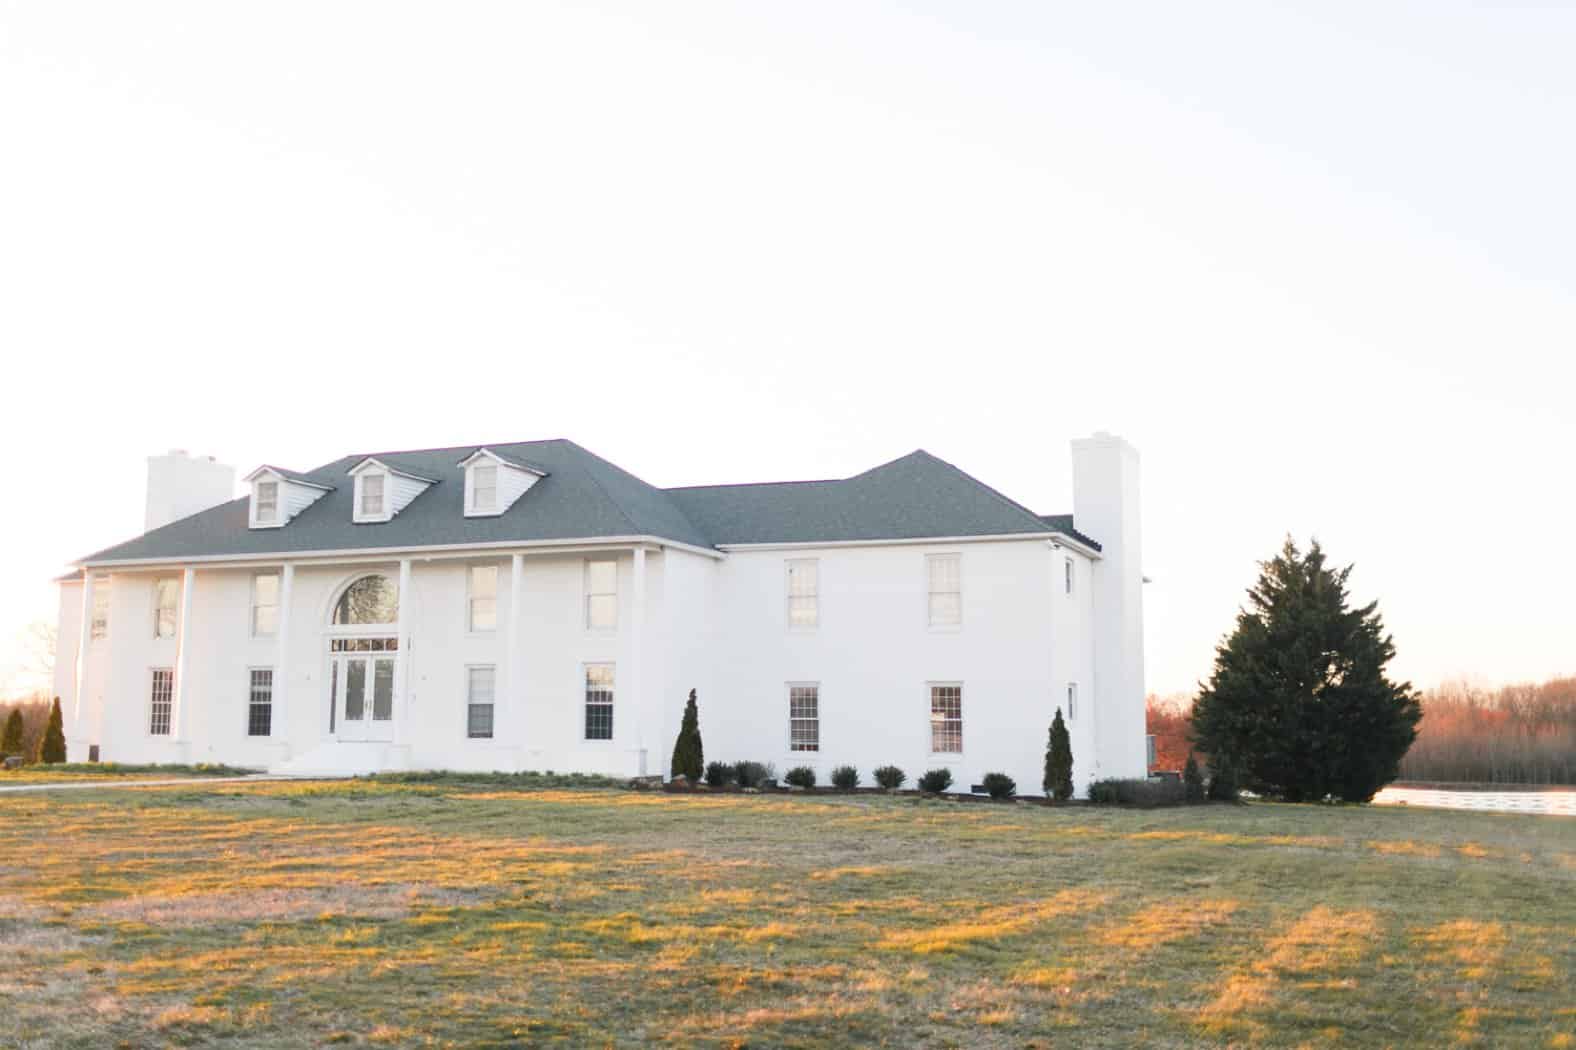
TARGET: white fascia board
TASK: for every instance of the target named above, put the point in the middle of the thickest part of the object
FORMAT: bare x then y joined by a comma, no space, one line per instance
444,550
1005,537
496,458
372,462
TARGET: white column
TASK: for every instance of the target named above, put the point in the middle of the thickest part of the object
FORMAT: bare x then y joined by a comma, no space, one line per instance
402,661
181,727
282,661
514,707
632,682
84,640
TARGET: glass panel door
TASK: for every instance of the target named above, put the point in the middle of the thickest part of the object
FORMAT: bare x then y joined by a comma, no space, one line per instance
381,726
353,716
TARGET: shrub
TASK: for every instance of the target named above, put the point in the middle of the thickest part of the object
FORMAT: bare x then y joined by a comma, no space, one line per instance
936,781
1137,791
53,747
845,778
751,774
1058,781
1192,780
688,759
11,741
1000,785
890,777
800,777
719,774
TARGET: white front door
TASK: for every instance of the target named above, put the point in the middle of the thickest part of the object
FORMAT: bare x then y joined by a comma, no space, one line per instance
362,687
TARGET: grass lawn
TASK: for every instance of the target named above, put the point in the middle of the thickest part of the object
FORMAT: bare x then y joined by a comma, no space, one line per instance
481,914
66,772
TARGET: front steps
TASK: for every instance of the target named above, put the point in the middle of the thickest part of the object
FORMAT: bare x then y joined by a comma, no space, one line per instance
341,758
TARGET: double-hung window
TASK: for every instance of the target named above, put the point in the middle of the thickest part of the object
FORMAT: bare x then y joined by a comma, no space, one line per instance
599,701
944,574
260,702
804,718
267,506
946,719
480,689
166,593
1072,700
372,496
484,487
265,604
160,701
483,612
100,628
804,599
601,595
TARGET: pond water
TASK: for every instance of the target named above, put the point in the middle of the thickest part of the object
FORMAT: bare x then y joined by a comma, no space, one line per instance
1553,802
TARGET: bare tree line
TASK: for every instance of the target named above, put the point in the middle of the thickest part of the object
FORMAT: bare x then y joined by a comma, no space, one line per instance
1516,734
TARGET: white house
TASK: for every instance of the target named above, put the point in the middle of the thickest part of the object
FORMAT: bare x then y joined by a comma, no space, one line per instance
532,606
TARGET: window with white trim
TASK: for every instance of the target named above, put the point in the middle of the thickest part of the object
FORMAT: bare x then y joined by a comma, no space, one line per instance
804,599
260,702
1067,574
944,573
804,717
601,595
946,719
599,701
480,690
484,487
160,701
483,602
1072,700
265,605
100,627
372,495
166,596
266,503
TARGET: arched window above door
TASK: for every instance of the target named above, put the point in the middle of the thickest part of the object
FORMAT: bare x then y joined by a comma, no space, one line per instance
369,600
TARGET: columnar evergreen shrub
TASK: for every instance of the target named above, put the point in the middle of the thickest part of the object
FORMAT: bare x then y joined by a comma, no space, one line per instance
1192,780
1000,785
53,747
719,774
687,757
936,781
845,778
1058,783
890,777
11,739
800,777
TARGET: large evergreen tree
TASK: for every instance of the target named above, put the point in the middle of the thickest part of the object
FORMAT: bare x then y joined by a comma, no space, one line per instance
52,748
1058,782
1299,706
688,759
11,739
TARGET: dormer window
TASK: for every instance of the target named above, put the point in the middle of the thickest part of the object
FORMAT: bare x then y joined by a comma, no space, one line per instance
382,491
372,496
484,488
279,495
267,506
493,482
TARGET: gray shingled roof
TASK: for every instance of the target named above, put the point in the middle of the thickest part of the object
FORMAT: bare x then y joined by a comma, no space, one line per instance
585,497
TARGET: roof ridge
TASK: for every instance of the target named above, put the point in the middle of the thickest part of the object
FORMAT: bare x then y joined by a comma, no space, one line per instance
758,484
619,506
456,448
1007,500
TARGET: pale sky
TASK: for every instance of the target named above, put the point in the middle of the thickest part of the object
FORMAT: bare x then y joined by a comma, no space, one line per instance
1317,261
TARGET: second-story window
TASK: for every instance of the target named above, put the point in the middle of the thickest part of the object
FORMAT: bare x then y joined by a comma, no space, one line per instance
944,572
166,594
484,487
1067,574
483,614
267,502
100,609
601,595
804,599
265,604
372,495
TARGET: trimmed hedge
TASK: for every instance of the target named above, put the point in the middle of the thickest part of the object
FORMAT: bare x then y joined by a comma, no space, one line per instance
936,781
1138,792
800,777
890,777
845,777
1000,785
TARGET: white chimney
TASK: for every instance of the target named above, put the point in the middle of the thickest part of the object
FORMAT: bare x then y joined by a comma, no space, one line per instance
180,485
1105,508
